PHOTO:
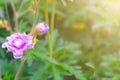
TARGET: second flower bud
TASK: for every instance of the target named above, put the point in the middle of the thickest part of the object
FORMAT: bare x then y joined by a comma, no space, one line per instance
41,28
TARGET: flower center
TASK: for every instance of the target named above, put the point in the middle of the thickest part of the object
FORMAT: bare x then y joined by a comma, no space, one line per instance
18,42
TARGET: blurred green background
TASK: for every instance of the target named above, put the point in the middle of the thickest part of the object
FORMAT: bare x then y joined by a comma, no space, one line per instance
89,30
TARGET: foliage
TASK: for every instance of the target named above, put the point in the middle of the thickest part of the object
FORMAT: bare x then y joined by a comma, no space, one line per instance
85,41
40,65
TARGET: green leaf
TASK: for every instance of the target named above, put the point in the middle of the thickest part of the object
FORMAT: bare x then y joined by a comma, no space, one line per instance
90,65
74,72
29,58
2,40
38,54
4,33
56,73
24,27
38,75
53,60
1,2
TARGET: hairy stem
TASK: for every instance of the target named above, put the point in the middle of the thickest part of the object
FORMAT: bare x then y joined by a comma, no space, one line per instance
20,68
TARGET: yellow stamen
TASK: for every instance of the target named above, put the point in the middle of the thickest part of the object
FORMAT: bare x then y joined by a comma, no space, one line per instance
18,42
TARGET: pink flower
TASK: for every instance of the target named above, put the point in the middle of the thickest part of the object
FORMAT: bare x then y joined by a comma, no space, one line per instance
42,28
18,43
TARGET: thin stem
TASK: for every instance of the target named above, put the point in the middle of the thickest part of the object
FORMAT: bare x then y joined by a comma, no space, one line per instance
21,5
52,24
47,21
53,15
36,12
7,15
23,13
20,68
36,6
8,18
15,16
46,12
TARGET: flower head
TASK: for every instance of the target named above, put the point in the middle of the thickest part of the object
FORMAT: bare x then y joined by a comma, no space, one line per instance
18,43
42,28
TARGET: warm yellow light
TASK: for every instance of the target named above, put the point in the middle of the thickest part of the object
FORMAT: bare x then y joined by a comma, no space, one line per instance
112,6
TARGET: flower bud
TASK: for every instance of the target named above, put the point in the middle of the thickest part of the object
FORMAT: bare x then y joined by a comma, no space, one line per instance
41,28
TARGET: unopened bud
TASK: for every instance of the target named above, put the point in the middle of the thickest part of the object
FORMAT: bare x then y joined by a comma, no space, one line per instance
42,28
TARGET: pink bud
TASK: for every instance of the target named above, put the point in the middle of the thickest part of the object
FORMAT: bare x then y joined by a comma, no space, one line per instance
42,28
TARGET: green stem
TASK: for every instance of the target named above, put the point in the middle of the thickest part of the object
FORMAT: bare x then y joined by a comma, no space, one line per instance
47,21
8,18
46,12
52,24
36,13
20,68
49,35
23,13
36,5
21,5
14,11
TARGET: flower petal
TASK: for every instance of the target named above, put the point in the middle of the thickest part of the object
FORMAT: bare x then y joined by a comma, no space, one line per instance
18,43
4,45
17,56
